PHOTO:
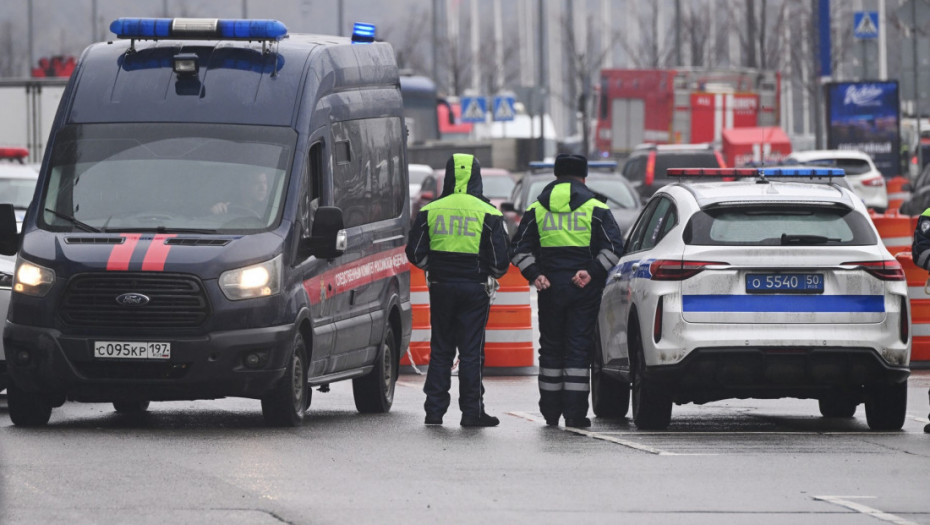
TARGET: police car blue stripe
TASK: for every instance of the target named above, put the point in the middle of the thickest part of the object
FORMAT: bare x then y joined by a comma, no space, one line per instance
783,303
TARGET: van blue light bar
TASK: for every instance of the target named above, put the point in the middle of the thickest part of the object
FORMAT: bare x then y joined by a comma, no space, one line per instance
755,172
198,29
592,164
363,33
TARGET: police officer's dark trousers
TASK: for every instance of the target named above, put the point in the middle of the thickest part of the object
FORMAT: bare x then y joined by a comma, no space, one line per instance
458,317
567,315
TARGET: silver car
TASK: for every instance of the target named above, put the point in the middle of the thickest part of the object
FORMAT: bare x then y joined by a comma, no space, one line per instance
760,287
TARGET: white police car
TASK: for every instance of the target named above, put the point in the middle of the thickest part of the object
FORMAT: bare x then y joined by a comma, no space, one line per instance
761,287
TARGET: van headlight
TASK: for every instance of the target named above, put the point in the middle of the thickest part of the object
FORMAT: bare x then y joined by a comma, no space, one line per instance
32,279
258,280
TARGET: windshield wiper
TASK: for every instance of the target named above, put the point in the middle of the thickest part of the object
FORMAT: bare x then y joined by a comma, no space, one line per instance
160,229
806,239
72,220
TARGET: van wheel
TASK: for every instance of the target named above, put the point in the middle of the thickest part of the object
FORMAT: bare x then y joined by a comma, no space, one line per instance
286,404
28,409
652,408
886,406
837,405
131,407
374,392
610,397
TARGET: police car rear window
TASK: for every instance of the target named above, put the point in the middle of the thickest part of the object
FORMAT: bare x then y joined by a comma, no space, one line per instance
779,226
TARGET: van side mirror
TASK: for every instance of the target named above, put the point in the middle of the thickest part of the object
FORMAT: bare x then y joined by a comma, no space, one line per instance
9,236
328,238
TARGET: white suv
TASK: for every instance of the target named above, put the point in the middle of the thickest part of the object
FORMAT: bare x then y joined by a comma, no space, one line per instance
754,288
864,178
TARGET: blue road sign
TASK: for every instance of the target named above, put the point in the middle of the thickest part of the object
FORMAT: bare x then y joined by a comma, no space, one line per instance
474,109
504,108
865,24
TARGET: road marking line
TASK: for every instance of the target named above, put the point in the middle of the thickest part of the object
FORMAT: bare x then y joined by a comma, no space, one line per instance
843,501
919,419
611,439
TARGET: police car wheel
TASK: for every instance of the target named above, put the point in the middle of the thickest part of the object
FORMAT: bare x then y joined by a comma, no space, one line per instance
286,404
610,397
28,409
652,408
130,407
886,406
374,392
837,405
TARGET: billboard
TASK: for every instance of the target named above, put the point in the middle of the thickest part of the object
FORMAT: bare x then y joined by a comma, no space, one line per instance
865,116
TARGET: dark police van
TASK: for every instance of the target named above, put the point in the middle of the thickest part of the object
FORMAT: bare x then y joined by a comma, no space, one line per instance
222,211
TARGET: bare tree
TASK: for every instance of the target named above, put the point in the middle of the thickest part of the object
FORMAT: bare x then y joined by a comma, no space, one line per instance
408,38
11,58
651,51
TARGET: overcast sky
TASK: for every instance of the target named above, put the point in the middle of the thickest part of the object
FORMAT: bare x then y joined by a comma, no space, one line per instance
66,26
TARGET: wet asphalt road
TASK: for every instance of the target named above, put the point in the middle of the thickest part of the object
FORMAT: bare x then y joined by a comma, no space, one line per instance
740,461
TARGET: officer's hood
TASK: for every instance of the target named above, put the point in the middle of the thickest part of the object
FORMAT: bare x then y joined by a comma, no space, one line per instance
463,175
556,198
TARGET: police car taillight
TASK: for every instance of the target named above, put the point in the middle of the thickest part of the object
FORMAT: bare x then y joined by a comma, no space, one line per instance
884,270
671,270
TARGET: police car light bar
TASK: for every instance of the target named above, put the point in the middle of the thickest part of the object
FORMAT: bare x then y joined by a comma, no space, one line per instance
14,153
198,29
755,172
363,33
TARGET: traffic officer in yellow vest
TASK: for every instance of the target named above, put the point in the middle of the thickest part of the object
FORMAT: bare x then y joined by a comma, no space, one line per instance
460,241
920,250
566,243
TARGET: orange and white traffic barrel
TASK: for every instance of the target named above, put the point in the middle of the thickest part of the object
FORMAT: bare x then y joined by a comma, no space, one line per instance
418,353
895,230
918,292
896,193
509,334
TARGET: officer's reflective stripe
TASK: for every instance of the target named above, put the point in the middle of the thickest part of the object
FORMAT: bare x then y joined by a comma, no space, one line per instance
550,387
922,258
578,372
523,260
607,258
424,335
550,372
577,387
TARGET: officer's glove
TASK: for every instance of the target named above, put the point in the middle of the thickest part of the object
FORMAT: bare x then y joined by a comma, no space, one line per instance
491,286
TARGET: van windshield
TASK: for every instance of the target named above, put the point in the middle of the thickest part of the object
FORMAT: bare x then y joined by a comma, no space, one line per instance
167,177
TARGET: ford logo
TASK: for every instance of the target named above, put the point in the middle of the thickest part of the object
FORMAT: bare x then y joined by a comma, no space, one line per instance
132,299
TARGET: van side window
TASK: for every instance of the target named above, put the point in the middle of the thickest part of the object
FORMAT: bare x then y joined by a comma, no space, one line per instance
310,188
368,186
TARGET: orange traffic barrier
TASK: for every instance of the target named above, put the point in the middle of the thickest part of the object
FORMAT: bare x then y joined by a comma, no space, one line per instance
919,295
896,230
509,336
896,193
418,353
509,333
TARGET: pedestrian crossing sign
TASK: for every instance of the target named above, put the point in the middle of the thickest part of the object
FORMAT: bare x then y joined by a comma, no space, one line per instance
474,109
503,108
865,24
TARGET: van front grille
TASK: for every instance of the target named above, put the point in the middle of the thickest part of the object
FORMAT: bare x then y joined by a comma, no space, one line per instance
174,300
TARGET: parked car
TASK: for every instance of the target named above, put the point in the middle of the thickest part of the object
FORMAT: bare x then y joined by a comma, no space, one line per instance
646,165
617,192
759,287
17,184
497,182
864,178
